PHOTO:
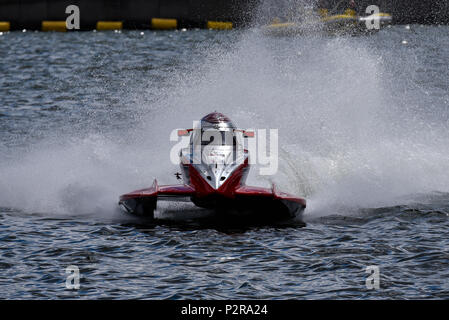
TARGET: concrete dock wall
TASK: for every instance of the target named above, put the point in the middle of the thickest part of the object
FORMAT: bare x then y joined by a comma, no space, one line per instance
135,14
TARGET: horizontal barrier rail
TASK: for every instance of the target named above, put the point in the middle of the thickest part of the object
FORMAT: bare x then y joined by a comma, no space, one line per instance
154,24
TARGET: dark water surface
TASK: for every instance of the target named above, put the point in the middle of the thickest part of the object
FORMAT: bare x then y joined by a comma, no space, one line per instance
82,116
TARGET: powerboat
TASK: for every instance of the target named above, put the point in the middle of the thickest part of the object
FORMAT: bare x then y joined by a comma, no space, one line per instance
214,168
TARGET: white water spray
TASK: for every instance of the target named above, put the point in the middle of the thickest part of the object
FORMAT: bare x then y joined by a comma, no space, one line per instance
346,138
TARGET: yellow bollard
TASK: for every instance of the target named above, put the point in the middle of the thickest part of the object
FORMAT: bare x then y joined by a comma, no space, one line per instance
109,25
218,25
5,26
54,26
164,24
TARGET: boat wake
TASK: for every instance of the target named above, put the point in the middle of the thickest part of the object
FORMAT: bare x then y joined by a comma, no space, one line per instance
355,129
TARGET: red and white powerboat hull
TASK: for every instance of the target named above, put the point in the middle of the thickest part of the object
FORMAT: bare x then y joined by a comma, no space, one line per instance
214,170
244,201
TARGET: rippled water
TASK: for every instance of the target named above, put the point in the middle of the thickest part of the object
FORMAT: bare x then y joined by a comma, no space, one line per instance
85,117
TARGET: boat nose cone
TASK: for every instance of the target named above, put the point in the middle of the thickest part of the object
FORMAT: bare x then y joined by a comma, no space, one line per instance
216,178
